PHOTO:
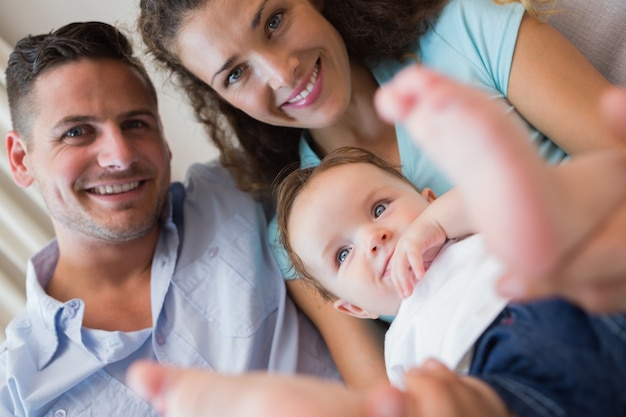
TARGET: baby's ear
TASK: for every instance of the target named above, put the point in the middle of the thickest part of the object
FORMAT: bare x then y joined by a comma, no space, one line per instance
428,194
352,310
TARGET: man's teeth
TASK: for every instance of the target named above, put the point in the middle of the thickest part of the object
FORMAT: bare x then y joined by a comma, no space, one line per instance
116,189
308,88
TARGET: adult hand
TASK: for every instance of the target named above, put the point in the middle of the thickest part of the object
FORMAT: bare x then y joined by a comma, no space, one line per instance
593,276
434,390
177,392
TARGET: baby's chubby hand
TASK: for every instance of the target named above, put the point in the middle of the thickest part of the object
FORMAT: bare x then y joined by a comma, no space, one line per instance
414,252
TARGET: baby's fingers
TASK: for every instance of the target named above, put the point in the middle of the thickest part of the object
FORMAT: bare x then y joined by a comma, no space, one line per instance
401,275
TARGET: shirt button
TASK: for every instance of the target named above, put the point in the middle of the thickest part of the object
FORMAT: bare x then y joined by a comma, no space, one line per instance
23,324
160,339
213,252
68,312
60,413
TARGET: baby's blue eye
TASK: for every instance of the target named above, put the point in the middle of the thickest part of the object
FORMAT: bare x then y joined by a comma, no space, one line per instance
342,255
379,209
235,75
274,21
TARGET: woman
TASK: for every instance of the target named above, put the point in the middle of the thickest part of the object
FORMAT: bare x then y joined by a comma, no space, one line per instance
295,79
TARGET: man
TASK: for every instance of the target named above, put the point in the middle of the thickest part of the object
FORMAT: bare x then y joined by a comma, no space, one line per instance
139,268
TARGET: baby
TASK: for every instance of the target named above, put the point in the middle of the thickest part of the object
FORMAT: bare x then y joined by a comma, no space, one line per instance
366,238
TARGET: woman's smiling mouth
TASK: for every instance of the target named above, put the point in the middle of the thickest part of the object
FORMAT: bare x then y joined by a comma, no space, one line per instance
311,86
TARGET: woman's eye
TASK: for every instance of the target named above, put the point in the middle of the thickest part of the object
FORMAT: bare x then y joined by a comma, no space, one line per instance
342,255
379,209
134,124
235,75
274,21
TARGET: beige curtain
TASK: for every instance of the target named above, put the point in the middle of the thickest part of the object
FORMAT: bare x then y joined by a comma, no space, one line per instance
24,225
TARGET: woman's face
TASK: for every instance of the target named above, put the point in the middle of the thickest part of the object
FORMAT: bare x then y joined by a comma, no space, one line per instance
280,61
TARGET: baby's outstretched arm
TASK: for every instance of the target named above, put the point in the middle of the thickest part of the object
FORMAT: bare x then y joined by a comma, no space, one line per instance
530,216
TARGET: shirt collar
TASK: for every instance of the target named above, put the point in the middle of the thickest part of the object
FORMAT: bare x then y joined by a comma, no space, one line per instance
43,309
49,317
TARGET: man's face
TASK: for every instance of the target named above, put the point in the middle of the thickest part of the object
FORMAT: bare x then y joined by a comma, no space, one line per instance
97,153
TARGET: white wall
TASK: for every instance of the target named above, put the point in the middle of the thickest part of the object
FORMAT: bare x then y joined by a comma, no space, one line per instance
23,223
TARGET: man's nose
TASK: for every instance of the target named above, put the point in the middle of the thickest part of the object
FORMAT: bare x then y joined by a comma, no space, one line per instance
116,150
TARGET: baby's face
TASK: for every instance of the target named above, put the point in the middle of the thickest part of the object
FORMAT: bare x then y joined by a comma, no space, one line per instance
345,225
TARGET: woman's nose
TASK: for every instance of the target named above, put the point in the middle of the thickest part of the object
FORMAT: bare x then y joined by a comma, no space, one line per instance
280,69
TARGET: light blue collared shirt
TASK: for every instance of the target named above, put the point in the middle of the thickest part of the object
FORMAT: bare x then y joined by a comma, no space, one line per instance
218,302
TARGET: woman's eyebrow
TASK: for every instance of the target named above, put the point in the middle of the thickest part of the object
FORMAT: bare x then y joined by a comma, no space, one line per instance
226,65
256,20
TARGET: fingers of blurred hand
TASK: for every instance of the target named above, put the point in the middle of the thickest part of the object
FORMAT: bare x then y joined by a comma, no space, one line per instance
172,392
602,257
148,380
434,390
202,393
593,276
604,297
386,401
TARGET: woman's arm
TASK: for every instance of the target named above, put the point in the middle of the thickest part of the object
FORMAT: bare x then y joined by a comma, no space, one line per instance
557,89
355,344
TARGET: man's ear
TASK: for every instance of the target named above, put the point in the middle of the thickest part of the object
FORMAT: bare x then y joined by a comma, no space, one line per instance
352,310
16,152
428,194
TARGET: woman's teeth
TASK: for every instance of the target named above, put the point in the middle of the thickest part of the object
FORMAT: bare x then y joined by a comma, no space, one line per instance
116,189
309,87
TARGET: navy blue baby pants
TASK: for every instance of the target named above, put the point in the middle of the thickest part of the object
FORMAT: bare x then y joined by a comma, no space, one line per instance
551,358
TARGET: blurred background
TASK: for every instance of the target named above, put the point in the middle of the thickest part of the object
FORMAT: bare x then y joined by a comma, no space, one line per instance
24,225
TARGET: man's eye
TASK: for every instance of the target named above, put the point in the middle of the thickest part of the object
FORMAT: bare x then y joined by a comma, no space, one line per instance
235,75
74,132
379,209
274,21
342,255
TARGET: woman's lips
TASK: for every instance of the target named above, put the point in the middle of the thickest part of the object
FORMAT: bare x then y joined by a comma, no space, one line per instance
308,91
